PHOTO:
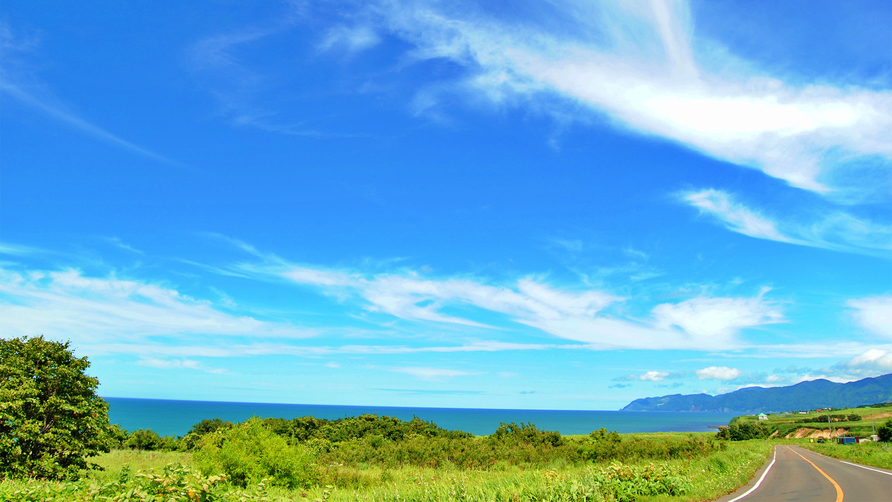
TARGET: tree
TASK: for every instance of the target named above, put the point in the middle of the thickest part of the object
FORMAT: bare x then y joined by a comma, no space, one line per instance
50,416
885,431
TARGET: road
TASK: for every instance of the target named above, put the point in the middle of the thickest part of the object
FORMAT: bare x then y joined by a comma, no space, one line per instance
800,474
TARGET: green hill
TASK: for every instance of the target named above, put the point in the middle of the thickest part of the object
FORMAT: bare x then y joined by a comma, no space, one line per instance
802,396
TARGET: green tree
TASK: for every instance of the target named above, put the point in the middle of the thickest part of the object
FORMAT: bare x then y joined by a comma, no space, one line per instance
885,431
51,419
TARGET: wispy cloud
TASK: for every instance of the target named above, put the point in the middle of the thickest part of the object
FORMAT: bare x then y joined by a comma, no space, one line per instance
873,314
108,309
573,314
433,374
177,364
837,230
640,64
717,317
19,82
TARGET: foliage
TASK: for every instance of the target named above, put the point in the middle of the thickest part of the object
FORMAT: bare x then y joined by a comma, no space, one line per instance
526,434
867,453
853,417
884,432
173,483
147,439
50,416
742,431
704,477
249,453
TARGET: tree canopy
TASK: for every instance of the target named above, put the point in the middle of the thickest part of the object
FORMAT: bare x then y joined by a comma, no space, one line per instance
51,419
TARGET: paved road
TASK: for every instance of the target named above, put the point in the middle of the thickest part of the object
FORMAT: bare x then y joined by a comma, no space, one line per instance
800,474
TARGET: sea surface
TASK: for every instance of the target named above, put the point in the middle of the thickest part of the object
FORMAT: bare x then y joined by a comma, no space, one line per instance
167,417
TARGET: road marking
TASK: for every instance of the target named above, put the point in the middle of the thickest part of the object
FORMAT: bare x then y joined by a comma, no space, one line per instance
839,495
868,468
751,490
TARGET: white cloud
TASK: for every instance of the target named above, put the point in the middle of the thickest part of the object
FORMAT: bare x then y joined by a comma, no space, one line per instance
177,364
718,373
20,82
433,374
873,314
736,217
654,376
351,39
722,318
570,314
837,230
97,310
639,64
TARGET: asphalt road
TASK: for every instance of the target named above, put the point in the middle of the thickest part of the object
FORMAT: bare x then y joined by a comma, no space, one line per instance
800,474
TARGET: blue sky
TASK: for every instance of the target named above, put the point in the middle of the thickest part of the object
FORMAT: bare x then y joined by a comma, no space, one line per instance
555,205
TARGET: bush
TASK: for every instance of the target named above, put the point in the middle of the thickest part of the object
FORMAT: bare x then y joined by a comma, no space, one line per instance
884,432
249,453
50,416
743,431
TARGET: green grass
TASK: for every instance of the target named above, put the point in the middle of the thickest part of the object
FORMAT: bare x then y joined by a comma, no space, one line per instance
785,424
114,462
684,479
870,453
674,480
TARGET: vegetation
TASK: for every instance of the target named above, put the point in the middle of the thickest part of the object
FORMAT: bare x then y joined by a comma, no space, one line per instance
51,419
743,431
145,475
863,421
868,453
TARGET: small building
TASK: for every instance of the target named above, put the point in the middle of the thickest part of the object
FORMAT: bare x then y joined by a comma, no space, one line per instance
763,416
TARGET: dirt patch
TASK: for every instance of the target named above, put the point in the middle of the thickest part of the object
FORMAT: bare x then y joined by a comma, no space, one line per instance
812,433
827,435
879,415
799,433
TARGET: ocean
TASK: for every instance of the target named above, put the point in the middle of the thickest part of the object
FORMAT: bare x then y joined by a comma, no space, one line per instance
168,417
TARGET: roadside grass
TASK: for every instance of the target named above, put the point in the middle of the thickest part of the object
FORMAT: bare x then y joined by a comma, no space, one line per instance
683,479
786,423
870,453
706,478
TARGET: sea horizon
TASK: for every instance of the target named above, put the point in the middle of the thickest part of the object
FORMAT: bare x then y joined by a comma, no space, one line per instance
176,417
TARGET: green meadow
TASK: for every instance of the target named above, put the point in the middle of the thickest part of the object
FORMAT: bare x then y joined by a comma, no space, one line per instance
380,458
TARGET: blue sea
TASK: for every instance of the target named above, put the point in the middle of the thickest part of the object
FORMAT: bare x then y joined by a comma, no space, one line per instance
167,417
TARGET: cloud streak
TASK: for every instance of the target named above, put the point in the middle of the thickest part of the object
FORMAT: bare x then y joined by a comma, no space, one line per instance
639,64
836,231
17,82
566,313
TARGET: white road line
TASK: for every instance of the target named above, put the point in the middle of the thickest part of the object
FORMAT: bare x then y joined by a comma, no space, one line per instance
751,490
868,468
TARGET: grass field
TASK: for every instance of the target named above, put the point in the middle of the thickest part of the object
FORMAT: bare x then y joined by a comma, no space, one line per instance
787,424
132,475
870,453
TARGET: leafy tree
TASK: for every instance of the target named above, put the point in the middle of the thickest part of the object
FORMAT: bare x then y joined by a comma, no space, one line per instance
884,432
144,439
743,431
50,416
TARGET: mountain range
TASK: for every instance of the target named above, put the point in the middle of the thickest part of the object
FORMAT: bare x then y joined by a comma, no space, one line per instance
802,396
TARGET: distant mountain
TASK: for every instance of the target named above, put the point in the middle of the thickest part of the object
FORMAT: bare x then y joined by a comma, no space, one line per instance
802,396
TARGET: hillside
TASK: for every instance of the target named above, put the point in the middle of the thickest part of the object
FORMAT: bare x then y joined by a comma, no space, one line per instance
802,396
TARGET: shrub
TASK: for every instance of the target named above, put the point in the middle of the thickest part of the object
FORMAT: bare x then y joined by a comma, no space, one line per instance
249,453
50,416
884,432
743,431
